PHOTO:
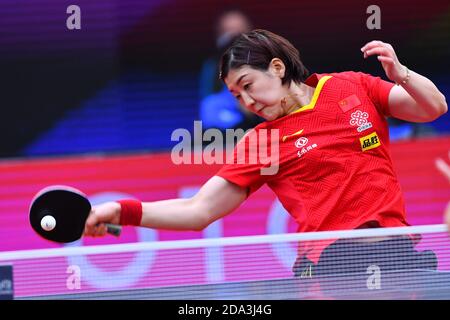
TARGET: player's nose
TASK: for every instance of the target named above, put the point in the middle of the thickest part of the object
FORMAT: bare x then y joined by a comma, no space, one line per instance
248,101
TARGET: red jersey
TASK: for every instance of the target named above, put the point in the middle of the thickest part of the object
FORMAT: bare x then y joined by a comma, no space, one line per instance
335,169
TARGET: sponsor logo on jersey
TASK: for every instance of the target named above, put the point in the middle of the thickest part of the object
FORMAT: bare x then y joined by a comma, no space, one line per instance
370,141
301,142
306,149
359,119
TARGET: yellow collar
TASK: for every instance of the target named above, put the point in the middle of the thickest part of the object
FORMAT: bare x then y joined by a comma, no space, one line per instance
315,96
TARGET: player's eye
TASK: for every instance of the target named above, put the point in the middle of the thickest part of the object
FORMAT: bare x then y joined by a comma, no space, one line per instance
247,86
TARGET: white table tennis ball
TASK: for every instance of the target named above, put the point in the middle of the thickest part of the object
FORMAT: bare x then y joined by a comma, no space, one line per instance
48,223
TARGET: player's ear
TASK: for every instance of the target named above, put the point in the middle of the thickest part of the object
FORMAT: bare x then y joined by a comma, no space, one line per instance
277,68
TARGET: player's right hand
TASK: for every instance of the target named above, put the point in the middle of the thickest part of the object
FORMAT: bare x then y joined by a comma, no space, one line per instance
108,212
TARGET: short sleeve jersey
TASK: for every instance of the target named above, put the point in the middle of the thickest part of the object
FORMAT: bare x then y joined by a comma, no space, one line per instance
334,168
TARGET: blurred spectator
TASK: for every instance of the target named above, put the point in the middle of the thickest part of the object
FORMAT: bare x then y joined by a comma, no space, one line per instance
400,130
218,108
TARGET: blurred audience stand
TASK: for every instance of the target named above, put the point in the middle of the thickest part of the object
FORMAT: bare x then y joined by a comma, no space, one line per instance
218,107
402,130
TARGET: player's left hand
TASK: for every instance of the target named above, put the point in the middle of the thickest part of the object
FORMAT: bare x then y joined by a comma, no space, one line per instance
394,70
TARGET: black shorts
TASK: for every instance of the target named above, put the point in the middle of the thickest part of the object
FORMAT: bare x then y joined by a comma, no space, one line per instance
345,256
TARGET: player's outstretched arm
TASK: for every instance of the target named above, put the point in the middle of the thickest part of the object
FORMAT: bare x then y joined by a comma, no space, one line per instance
216,198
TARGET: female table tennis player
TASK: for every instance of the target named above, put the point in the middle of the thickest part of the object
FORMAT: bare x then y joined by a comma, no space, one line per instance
335,170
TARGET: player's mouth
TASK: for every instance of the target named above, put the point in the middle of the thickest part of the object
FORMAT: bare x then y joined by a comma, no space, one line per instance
260,109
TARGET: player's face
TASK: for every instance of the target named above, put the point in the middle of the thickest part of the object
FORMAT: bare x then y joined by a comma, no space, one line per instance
258,91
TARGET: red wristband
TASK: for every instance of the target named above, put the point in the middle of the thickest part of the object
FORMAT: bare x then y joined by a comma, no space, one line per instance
130,213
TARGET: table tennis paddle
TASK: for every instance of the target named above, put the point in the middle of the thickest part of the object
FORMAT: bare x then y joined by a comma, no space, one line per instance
58,213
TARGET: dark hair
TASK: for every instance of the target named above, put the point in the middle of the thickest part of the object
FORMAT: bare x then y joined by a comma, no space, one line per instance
257,48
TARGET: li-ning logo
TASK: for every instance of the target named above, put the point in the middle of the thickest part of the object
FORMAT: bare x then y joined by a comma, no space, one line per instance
359,118
292,135
301,142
